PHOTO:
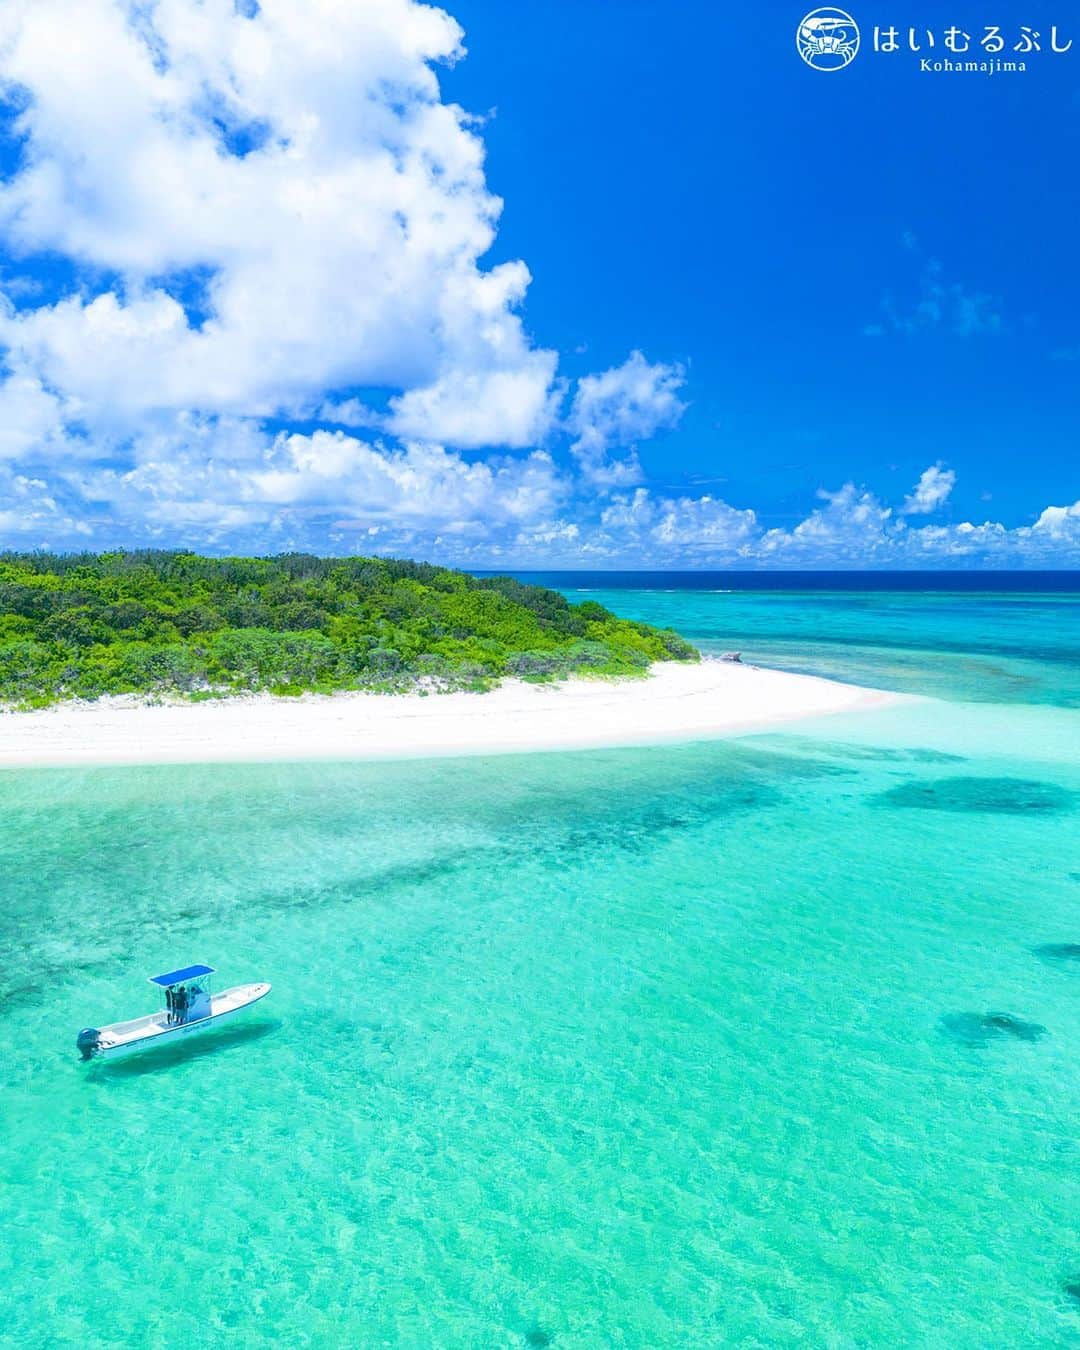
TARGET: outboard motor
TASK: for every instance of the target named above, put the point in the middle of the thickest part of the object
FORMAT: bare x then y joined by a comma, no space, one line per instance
87,1042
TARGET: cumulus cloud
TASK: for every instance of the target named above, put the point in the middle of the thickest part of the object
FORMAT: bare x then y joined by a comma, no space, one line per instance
268,211
691,525
513,407
851,525
418,483
855,529
931,491
30,416
283,204
217,476
618,408
1059,523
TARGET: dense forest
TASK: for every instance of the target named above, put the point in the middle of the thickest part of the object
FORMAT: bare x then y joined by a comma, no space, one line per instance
84,625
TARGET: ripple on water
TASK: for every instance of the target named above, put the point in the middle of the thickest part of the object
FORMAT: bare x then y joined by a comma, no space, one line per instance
1007,796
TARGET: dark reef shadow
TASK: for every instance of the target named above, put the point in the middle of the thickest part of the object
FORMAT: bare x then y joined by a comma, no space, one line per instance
1058,953
873,754
980,1029
1001,796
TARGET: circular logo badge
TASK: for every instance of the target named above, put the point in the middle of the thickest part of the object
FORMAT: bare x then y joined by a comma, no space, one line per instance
828,38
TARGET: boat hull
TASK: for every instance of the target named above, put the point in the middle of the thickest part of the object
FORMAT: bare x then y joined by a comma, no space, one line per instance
224,1006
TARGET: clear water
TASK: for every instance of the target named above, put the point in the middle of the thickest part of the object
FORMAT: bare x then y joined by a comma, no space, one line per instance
764,1042
994,647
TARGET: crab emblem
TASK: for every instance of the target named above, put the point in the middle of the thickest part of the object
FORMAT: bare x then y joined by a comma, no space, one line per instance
827,39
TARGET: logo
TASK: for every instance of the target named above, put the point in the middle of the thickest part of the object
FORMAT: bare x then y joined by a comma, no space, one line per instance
827,39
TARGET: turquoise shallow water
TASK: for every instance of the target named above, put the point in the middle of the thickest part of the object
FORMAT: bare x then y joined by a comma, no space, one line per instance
764,1042
995,647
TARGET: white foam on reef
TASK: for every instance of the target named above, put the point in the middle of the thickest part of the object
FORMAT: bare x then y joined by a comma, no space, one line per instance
675,702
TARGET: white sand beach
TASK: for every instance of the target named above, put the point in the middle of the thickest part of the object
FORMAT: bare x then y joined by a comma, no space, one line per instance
674,703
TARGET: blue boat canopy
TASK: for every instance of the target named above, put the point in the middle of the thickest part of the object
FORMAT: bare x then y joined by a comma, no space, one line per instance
180,976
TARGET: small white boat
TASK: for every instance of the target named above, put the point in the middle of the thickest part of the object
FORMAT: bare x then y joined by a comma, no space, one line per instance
190,1007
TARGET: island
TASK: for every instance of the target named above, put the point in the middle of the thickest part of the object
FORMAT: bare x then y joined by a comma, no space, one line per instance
174,656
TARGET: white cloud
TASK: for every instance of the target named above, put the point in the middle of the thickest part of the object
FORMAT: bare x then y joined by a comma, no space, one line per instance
931,491
619,407
31,515
1059,523
347,412
852,524
513,407
30,416
288,207
855,529
268,213
205,477
421,484
851,527
690,525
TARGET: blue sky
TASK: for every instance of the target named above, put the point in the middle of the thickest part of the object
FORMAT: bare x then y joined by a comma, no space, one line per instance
733,312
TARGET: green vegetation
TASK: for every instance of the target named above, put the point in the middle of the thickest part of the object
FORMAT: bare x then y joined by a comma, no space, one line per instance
83,625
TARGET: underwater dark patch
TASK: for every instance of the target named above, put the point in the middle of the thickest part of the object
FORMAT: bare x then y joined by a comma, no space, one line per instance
1058,951
537,1336
377,882
1073,1289
870,753
15,992
13,995
1003,796
979,1029
112,933
637,827
786,762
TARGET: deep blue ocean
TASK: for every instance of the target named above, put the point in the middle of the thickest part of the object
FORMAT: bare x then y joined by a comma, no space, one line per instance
962,583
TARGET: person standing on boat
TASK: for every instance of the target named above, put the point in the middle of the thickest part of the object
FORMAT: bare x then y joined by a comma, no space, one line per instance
181,1002
170,1004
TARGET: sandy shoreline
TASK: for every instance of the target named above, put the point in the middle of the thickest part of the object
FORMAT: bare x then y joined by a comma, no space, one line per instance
675,703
